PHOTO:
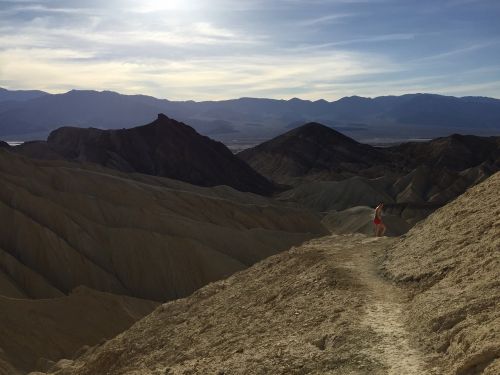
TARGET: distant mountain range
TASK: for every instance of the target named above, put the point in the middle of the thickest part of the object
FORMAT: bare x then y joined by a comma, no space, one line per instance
33,114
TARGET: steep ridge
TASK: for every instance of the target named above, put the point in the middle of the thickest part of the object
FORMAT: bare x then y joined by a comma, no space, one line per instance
325,308
165,147
314,151
452,262
67,224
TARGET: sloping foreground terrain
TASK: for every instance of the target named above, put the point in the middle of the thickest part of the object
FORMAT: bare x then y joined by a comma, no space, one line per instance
164,147
65,225
324,308
451,262
35,333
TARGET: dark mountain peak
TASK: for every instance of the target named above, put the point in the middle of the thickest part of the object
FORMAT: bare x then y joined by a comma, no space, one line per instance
164,147
319,133
354,99
298,100
162,117
310,149
4,144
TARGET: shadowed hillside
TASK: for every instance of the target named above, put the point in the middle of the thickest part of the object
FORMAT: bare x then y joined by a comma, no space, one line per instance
165,147
66,225
314,151
35,333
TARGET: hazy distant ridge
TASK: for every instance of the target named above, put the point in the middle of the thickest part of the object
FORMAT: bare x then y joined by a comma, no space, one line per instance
33,114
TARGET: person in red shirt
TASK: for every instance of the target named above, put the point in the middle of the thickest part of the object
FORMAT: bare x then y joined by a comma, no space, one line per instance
380,227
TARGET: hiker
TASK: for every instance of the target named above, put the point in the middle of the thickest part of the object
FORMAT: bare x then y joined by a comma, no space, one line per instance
380,227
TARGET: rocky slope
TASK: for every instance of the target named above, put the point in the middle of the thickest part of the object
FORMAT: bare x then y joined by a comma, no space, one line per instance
66,225
165,147
325,308
451,261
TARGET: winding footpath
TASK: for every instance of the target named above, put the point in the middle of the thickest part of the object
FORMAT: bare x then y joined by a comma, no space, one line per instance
384,308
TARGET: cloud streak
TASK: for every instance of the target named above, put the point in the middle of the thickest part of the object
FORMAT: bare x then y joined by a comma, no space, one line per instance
215,49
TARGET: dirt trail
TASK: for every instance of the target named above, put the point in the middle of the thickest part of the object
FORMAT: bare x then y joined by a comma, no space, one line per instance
384,310
385,315
321,308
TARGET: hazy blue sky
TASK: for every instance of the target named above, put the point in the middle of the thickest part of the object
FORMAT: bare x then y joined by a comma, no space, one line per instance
216,49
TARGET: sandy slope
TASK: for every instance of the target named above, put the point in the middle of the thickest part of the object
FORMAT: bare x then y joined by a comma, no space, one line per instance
452,262
65,225
35,332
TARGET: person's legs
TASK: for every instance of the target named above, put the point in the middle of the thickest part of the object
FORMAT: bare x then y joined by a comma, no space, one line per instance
383,229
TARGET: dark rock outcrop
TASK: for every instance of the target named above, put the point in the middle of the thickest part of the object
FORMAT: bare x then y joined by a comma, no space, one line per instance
165,148
315,151
455,152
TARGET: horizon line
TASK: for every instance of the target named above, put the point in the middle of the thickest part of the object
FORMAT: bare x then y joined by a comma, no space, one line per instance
248,97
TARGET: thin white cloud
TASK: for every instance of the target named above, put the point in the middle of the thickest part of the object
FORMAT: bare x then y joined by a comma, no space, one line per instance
457,51
247,75
328,19
369,39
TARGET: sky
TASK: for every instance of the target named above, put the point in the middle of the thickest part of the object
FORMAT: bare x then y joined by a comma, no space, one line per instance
221,49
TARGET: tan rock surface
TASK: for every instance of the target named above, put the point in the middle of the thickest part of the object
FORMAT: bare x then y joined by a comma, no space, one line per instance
452,261
305,311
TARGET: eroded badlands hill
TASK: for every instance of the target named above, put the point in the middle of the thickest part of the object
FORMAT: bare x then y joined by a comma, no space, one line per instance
323,308
65,225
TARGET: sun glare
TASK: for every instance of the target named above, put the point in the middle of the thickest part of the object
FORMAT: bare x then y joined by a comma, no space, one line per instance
159,5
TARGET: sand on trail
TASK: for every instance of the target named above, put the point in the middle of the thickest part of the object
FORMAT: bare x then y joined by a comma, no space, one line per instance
324,310
386,316
384,310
